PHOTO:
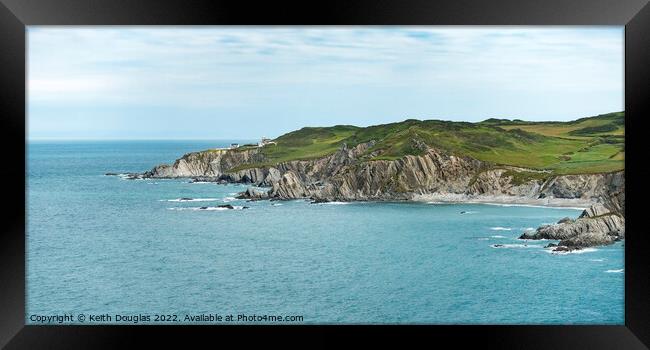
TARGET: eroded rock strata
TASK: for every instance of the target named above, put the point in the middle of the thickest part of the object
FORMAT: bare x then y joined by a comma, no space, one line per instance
349,175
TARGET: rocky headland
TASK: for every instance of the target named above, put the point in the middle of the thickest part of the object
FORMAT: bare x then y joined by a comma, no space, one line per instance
436,175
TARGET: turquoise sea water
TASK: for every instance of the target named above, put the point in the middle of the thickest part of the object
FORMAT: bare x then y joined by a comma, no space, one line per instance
104,245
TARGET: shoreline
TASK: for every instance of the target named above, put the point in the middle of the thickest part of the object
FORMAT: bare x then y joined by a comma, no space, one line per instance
504,200
442,198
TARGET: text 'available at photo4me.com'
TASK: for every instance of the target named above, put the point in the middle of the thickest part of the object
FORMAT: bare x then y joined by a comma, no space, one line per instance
203,318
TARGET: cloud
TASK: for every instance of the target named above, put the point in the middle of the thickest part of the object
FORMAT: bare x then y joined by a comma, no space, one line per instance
217,68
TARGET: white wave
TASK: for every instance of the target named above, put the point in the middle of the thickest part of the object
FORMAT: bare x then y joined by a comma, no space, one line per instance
235,207
229,199
577,251
596,260
276,204
335,203
515,246
529,229
152,183
128,177
534,206
483,239
499,228
615,271
190,200
498,236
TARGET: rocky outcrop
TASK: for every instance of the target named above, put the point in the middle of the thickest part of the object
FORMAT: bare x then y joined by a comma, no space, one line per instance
596,226
595,210
212,164
253,194
289,186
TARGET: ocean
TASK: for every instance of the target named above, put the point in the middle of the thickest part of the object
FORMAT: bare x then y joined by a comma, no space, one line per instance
100,244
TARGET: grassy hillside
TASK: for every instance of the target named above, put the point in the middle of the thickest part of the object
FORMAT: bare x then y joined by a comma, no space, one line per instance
587,145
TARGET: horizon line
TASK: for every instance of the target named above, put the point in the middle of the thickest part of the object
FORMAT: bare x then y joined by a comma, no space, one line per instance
30,139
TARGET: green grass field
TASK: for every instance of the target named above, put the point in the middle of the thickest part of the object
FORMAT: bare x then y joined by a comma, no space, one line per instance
587,145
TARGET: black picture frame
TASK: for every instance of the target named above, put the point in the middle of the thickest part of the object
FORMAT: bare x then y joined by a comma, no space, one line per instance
15,15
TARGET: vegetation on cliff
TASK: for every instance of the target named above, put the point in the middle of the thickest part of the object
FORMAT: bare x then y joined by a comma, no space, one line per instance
587,145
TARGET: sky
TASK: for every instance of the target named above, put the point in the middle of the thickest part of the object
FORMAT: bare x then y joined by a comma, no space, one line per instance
247,82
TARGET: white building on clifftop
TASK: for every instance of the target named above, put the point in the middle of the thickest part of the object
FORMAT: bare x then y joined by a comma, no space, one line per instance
265,141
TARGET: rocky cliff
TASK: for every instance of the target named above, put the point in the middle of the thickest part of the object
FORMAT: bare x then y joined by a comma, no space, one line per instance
350,175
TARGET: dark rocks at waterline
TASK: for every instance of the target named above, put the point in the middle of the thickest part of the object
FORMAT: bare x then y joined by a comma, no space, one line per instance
318,200
589,239
596,226
463,212
205,179
185,199
252,194
127,176
563,249
225,206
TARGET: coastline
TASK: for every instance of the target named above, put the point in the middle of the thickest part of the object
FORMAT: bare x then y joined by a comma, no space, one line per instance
568,203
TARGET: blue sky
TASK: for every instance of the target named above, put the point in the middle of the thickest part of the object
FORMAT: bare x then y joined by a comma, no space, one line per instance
245,82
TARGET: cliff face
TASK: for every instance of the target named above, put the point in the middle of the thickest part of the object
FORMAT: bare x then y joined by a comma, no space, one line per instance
344,176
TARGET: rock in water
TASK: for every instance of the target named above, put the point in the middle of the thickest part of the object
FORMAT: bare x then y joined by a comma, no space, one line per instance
252,194
583,232
319,200
227,206
562,249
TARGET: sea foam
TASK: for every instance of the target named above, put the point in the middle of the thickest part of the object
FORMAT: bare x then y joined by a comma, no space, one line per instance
190,200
